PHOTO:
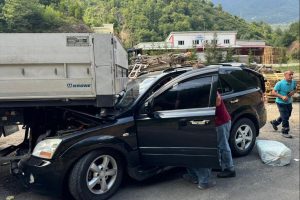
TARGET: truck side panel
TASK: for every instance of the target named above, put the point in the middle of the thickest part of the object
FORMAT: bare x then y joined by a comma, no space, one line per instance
61,66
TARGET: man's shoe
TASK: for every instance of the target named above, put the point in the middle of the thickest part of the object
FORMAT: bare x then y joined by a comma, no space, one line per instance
226,174
204,186
286,135
274,125
189,178
285,130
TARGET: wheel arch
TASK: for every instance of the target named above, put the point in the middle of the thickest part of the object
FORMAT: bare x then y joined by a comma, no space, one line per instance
122,155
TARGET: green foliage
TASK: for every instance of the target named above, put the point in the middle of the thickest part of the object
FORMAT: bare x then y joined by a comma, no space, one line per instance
21,17
295,55
229,55
250,57
2,20
213,55
52,18
72,8
283,56
136,20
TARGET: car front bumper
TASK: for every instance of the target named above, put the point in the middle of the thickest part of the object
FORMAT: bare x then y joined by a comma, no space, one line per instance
42,175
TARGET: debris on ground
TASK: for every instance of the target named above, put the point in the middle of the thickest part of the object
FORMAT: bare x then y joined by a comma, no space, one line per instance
273,153
10,197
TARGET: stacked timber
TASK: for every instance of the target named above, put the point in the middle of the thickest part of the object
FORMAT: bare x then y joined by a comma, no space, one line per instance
273,55
271,80
296,96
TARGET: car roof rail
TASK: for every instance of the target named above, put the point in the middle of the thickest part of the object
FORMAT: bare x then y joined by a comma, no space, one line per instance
178,68
234,64
142,73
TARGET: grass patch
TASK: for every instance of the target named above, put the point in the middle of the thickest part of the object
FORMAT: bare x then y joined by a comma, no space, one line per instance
283,68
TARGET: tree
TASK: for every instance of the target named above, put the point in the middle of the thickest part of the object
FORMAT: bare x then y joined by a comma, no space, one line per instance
229,55
2,21
48,2
22,17
250,57
74,8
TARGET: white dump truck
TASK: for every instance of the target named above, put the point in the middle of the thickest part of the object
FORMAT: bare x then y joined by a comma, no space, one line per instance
42,75
61,69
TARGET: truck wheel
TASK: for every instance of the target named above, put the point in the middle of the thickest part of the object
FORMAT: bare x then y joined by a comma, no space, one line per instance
96,176
242,137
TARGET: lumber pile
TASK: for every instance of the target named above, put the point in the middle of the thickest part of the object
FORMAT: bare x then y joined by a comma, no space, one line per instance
273,55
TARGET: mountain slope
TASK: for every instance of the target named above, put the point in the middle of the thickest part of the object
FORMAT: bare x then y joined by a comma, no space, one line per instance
270,11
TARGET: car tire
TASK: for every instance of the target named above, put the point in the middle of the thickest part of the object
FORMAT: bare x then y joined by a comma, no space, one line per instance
242,137
102,170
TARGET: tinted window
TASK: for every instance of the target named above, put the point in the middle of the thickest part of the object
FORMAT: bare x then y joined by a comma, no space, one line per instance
192,93
241,80
223,86
248,78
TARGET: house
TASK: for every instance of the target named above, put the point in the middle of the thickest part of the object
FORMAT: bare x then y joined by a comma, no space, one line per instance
187,40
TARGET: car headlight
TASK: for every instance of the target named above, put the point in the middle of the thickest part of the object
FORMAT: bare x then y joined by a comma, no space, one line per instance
46,148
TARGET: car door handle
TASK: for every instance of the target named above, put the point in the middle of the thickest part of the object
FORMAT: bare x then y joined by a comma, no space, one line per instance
234,101
200,122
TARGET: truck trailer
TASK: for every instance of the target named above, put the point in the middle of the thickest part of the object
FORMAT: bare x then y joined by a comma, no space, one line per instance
46,76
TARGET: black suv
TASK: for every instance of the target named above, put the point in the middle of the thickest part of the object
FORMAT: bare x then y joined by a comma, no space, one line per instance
162,119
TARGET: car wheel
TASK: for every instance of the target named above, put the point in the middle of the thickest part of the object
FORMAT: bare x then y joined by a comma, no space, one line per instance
242,137
97,175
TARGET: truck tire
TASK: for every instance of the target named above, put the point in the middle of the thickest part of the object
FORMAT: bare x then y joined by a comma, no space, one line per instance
242,137
96,176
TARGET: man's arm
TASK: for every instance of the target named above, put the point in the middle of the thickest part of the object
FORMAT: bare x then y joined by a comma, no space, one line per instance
291,93
218,99
276,94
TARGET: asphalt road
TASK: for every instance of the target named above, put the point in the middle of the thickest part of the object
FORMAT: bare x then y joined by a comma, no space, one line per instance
254,180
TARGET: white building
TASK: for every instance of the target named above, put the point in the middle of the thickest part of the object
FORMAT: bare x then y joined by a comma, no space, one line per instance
187,40
198,39
192,39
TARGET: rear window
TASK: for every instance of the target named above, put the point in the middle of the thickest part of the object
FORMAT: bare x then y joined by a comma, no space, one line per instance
240,80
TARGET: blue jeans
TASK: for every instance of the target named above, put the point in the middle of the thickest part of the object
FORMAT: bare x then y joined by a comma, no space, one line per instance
285,111
225,156
202,175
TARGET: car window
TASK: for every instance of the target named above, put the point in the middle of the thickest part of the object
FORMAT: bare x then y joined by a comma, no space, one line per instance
256,81
191,93
250,80
240,80
223,86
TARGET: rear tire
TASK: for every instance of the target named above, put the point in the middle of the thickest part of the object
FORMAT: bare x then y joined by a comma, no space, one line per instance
96,176
242,137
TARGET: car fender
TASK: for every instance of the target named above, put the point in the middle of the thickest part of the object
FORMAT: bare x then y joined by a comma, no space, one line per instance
81,148
248,112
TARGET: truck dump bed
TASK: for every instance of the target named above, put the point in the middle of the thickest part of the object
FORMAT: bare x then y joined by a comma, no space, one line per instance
61,69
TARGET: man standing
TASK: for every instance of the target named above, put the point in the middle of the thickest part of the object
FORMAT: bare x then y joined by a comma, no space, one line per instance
201,176
284,90
223,125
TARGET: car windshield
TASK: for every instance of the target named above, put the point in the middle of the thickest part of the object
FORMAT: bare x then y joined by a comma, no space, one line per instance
134,89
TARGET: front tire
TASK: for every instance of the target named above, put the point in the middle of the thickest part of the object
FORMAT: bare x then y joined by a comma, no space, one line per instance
242,137
96,176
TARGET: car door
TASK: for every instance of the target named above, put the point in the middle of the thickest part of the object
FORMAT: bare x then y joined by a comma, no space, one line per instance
180,129
240,89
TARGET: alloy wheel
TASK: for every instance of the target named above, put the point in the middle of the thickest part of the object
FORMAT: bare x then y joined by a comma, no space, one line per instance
101,174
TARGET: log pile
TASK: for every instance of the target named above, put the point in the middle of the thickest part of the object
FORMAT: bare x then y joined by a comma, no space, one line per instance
272,55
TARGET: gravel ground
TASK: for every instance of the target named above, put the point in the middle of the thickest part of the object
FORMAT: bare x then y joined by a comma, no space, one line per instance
254,180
